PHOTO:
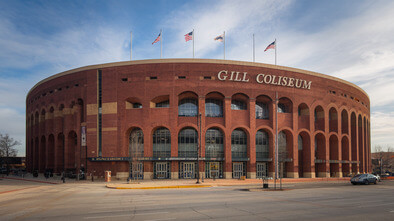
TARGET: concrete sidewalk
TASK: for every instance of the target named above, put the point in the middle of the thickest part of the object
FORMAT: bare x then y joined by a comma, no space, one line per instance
191,183
180,183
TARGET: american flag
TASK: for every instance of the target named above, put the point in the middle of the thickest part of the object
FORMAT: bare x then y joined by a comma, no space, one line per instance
189,36
157,39
219,38
271,46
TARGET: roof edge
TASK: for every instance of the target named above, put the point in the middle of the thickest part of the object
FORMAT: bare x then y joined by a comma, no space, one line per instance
193,60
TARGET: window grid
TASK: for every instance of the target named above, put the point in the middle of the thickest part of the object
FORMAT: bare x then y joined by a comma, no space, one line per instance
238,105
238,144
262,145
213,108
262,110
162,143
214,143
163,104
187,143
188,107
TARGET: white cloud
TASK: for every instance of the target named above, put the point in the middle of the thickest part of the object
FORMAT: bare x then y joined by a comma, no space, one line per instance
383,128
13,123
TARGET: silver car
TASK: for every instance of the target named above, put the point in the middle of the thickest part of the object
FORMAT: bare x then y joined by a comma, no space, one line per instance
364,179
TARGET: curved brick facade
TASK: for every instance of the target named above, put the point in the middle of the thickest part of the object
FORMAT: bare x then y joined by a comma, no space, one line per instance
83,118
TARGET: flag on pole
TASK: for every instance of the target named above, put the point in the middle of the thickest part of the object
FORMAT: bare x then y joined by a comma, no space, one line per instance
271,46
219,38
157,39
189,36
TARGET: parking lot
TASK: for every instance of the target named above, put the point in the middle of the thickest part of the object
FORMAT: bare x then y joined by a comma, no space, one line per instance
22,200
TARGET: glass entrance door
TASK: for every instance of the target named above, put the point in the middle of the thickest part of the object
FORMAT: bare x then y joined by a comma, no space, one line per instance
262,170
137,170
238,170
213,170
188,170
161,170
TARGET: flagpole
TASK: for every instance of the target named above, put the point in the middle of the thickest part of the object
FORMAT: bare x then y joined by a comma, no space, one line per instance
161,43
131,44
276,45
253,50
193,43
224,45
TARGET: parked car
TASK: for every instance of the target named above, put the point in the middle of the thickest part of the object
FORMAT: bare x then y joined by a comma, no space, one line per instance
377,177
364,179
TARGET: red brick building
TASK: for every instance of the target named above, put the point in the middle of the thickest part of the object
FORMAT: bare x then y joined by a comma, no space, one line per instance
155,112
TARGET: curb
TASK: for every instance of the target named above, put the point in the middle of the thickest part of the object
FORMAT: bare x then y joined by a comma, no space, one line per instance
157,187
37,181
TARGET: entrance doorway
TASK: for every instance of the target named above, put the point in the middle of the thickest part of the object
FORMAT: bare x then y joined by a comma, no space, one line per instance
187,170
262,170
239,170
213,170
162,170
137,170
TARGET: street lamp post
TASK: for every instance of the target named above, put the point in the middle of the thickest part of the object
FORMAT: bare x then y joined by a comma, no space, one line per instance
198,147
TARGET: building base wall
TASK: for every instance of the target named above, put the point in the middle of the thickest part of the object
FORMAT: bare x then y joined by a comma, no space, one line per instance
148,175
292,175
337,174
323,174
251,175
309,174
122,175
174,175
228,175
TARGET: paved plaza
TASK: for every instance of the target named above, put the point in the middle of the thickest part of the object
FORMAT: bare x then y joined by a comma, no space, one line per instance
330,199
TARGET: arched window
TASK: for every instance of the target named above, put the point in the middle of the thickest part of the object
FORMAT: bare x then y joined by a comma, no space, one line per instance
262,110
162,143
238,105
165,103
136,143
282,108
299,142
188,107
187,143
213,108
239,144
262,145
282,146
214,143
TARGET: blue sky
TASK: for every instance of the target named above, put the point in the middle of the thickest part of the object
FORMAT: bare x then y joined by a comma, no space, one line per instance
352,40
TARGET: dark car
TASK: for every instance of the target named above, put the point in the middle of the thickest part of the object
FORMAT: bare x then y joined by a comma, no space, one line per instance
364,179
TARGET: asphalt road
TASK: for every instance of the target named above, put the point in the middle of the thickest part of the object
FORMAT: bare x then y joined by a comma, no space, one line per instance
21,200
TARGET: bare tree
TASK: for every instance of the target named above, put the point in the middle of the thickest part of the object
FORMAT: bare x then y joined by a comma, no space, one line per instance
136,151
7,149
384,158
